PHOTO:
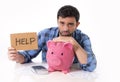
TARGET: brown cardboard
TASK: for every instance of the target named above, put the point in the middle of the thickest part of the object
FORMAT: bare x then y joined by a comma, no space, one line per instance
24,41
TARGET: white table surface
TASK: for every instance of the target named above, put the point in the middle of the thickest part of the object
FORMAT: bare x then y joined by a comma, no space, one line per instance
10,71
14,72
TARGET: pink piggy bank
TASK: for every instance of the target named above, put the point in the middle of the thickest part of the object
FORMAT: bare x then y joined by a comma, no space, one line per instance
60,56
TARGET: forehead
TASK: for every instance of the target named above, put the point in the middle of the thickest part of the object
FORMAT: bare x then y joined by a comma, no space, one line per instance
66,19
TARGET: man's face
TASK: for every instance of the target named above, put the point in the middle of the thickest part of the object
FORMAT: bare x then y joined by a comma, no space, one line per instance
67,26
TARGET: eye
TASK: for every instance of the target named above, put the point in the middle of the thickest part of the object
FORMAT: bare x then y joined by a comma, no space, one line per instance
71,24
51,52
61,23
62,54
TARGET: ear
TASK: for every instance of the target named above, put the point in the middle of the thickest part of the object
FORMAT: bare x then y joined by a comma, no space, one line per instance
77,24
69,45
50,43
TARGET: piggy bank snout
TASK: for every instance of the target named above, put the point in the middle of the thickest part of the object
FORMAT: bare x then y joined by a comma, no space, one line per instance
56,61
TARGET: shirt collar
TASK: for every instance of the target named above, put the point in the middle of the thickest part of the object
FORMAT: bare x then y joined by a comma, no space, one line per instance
57,32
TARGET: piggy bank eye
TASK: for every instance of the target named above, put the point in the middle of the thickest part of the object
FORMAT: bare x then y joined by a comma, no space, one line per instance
51,52
62,54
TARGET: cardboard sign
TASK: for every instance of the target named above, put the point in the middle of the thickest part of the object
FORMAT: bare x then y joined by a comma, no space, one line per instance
24,41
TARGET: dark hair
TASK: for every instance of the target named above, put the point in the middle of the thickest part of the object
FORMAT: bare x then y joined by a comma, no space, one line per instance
68,11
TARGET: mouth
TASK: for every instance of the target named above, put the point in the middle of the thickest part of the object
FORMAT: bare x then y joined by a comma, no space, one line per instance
65,33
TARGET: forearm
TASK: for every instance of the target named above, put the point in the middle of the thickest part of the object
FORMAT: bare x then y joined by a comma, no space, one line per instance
87,60
29,55
81,55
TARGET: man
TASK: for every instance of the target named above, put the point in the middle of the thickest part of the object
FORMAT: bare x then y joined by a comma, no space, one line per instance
68,21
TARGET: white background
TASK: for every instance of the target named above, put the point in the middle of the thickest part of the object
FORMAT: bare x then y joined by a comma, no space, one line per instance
99,19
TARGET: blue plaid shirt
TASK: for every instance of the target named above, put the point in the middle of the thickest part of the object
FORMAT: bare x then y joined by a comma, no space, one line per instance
49,34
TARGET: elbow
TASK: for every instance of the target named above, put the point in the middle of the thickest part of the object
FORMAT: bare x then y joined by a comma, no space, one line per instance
90,67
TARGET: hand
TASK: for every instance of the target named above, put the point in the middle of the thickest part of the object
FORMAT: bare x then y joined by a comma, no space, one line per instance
79,51
15,56
68,39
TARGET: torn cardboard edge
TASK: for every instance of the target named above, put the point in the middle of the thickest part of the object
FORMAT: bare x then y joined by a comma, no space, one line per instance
24,41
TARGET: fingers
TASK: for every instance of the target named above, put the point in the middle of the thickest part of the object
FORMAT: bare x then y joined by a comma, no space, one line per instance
11,48
14,56
11,57
12,52
57,40
61,39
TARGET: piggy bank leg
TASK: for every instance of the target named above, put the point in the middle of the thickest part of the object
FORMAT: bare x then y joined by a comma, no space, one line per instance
50,69
65,71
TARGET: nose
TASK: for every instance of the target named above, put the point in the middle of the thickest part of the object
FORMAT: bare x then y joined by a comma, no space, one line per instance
65,28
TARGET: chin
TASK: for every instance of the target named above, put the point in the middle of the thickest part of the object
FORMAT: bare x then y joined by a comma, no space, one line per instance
66,35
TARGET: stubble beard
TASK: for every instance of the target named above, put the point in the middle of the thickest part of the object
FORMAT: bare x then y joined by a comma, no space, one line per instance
62,33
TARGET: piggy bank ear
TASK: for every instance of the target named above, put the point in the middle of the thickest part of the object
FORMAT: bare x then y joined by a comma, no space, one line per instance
69,45
50,43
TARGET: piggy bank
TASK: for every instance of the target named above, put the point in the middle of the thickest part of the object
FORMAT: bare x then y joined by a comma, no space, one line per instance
60,56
